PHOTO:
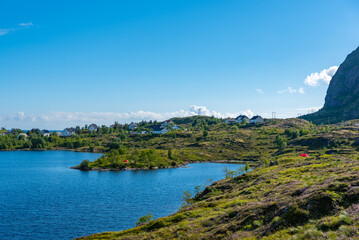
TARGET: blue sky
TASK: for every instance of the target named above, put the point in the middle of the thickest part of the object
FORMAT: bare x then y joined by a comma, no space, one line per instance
75,62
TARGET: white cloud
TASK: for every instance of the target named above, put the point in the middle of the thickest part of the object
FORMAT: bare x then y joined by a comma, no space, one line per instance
58,120
259,91
5,31
291,90
28,24
325,75
247,112
199,110
16,117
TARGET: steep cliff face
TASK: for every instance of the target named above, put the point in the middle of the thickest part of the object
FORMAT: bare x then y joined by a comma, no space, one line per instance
344,88
342,99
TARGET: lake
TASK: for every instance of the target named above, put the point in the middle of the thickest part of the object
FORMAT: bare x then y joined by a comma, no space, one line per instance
42,198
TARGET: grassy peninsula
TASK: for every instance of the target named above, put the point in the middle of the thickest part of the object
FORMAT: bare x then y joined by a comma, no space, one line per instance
206,139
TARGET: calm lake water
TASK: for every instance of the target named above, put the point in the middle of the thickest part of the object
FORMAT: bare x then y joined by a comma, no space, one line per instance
41,198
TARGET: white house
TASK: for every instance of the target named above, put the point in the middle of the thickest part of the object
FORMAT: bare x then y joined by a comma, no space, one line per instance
93,127
242,119
21,134
230,121
256,119
158,129
67,132
132,126
45,133
169,124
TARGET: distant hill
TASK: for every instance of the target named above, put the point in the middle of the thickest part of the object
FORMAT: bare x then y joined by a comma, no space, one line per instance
342,99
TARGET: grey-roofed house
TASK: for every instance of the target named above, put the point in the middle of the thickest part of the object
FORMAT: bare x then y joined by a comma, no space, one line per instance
242,119
93,127
45,133
158,129
67,132
256,119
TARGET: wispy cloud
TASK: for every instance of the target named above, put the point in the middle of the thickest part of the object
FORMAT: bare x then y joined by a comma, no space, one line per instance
65,119
259,90
5,31
291,90
325,75
27,24
301,90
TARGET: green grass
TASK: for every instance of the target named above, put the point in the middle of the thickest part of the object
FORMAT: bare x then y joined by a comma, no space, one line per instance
300,198
284,197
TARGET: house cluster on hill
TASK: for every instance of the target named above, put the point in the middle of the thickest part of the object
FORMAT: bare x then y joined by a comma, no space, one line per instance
162,128
245,119
133,128
68,132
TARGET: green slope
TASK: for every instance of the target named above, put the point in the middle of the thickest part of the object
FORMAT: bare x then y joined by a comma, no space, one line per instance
284,197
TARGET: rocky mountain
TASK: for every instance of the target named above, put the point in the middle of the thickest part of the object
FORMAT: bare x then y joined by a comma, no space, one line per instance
342,99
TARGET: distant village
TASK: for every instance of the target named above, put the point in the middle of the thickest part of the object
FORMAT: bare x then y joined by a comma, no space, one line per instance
162,128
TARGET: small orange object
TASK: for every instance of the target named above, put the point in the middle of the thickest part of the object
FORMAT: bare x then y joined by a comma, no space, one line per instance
125,161
303,155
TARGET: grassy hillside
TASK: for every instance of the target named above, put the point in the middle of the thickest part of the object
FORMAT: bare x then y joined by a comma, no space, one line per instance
284,197
307,198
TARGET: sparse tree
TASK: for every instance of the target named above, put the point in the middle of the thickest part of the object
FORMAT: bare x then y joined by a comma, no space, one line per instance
145,219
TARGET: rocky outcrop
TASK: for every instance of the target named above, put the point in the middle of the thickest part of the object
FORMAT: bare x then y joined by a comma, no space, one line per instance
342,99
344,87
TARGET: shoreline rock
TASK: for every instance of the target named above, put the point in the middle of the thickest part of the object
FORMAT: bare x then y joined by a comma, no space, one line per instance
157,168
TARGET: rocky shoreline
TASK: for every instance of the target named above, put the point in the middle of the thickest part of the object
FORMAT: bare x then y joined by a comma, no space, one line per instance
156,168
125,169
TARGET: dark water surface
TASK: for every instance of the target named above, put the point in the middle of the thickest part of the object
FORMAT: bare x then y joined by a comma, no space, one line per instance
41,198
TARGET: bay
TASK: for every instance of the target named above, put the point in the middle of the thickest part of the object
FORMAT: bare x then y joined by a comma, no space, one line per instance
42,198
